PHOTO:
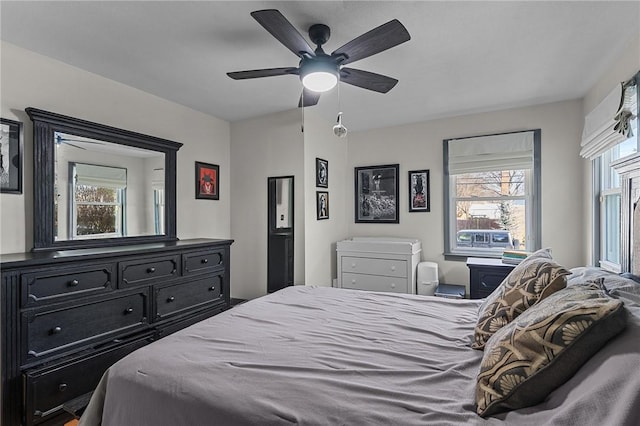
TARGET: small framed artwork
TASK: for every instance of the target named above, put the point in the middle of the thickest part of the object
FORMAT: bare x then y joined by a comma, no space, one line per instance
376,194
207,181
322,173
10,156
419,197
322,205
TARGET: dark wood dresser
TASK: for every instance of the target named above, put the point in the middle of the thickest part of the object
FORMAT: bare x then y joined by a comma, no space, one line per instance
68,315
485,274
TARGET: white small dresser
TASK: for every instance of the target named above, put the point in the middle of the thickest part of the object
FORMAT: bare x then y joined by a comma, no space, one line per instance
378,264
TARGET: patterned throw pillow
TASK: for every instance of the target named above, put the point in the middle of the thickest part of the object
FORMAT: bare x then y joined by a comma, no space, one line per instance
532,280
541,349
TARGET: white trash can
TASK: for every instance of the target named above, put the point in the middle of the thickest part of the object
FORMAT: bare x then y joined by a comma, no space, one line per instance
427,278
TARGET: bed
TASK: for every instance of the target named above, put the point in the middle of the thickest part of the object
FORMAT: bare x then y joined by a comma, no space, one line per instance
328,356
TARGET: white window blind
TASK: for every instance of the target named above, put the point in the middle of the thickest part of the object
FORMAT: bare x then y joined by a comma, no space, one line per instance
511,151
157,179
609,122
101,176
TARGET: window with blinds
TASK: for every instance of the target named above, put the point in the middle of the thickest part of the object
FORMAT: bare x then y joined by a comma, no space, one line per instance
610,134
97,204
492,191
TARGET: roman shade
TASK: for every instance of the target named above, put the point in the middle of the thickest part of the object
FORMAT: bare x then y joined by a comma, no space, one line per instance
609,122
157,178
101,176
508,151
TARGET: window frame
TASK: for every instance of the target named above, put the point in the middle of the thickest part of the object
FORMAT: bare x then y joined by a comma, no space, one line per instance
602,187
73,209
532,218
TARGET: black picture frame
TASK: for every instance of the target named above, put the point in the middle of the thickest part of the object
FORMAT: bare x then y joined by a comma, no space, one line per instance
11,146
376,194
207,181
322,173
419,192
322,205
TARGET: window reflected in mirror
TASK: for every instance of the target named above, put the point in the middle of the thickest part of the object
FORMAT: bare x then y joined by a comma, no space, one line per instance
106,190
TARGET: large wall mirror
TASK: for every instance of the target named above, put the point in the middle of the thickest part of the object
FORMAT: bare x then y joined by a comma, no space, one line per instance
98,186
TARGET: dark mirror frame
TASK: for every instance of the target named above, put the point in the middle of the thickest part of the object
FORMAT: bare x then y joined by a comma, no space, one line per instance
45,123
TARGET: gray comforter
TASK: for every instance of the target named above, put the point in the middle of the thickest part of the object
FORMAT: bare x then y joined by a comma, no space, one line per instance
325,356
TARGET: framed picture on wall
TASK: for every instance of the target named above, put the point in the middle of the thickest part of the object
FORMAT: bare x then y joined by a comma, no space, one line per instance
419,196
207,181
10,156
322,173
322,205
376,194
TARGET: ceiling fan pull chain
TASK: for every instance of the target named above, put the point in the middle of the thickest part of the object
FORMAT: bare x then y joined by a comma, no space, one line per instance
302,108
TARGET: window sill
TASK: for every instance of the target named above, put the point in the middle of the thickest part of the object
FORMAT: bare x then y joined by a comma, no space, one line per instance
462,256
611,267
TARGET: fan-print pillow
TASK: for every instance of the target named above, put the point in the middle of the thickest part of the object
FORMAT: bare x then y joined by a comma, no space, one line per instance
540,350
532,280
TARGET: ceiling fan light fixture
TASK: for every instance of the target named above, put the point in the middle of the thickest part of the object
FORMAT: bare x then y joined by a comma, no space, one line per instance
320,81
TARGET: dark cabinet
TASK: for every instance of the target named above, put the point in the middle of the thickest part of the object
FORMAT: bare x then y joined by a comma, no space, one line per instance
67,316
485,274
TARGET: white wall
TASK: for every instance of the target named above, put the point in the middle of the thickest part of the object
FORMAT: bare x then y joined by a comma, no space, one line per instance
321,235
623,66
28,79
264,147
419,146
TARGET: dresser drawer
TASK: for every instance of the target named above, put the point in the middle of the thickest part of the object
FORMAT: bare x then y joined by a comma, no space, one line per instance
149,270
46,390
52,285
373,266
201,261
188,296
49,330
374,283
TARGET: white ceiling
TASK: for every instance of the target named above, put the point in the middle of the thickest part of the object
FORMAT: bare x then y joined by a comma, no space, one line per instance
464,57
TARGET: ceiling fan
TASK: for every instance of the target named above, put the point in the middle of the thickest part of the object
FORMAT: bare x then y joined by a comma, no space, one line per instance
320,72
60,140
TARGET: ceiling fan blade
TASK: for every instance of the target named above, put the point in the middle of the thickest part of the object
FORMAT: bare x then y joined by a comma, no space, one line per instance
375,41
75,146
279,27
367,80
310,98
267,72
80,140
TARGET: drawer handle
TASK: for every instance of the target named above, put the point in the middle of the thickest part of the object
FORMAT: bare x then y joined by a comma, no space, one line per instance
393,268
73,283
353,281
205,260
128,311
393,285
62,387
353,265
212,288
151,270
170,299
56,330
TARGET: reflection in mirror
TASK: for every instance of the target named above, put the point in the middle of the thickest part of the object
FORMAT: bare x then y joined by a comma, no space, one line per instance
284,202
106,190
